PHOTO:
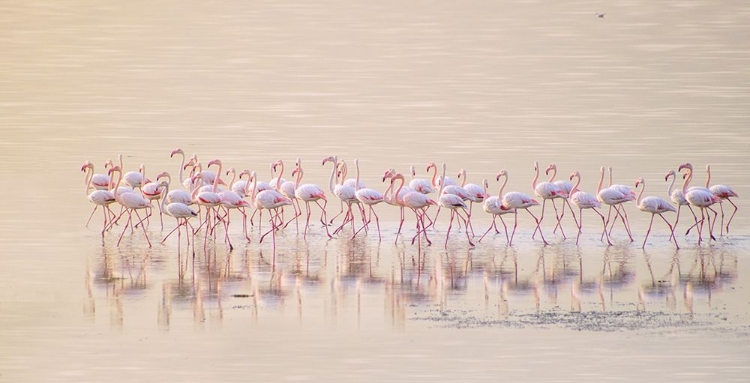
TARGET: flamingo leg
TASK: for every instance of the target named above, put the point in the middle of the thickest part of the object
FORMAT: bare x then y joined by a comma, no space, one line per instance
559,219
124,228
648,231
541,218
434,220
450,225
732,216
466,224
173,230
323,216
721,227
579,224
603,223
609,215
671,231
400,225
92,214
711,224
505,227
494,216
538,222
515,224
695,217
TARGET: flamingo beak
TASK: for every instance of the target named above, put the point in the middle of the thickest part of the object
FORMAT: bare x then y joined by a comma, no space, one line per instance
571,176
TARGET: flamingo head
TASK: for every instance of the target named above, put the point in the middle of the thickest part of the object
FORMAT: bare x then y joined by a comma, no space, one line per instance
485,183
163,175
329,159
295,171
113,169
389,173
575,174
229,171
639,181
108,164
189,163
176,151
669,173
431,165
163,184
86,165
536,166
214,162
243,173
461,171
550,167
501,173
686,165
196,177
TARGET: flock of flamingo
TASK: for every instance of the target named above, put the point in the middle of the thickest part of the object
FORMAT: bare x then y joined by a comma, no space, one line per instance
205,190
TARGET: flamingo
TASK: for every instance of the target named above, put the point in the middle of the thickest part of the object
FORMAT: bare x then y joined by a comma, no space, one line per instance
585,200
565,186
436,182
351,182
287,188
369,197
347,194
517,200
452,202
180,211
655,206
450,187
725,193
420,184
394,200
677,197
133,179
183,166
494,205
153,191
132,202
613,197
102,198
209,199
476,194
310,193
270,200
699,197
98,180
175,195
628,192
547,191
417,202
208,175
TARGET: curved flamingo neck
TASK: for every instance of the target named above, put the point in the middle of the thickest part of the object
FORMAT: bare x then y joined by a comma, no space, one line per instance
601,181
332,179
578,182
708,180
164,199
216,180
182,165
196,187
356,183
434,175
554,173
502,186
398,191
442,181
462,174
688,178
117,185
536,177
388,191
234,176
89,178
610,176
249,191
671,184
640,195
281,173
298,180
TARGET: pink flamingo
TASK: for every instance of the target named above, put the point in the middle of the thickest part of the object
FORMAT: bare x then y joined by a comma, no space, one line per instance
585,200
725,193
449,187
132,202
420,184
655,206
392,199
628,192
183,166
613,197
565,186
369,197
476,194
347,194
102,198
494,205
699,197
181,212
98,180
547,191
176,195
209,199
287,188
417,202
270,200
452,202
310,193
678,198
153,191
517,200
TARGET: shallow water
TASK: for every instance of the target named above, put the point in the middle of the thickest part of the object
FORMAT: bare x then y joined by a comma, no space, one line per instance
478,85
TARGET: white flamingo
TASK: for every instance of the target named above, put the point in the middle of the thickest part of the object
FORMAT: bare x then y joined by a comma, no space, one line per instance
655,206
494,205
584,200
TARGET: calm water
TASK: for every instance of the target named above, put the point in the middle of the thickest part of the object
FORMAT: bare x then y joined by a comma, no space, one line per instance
478,85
